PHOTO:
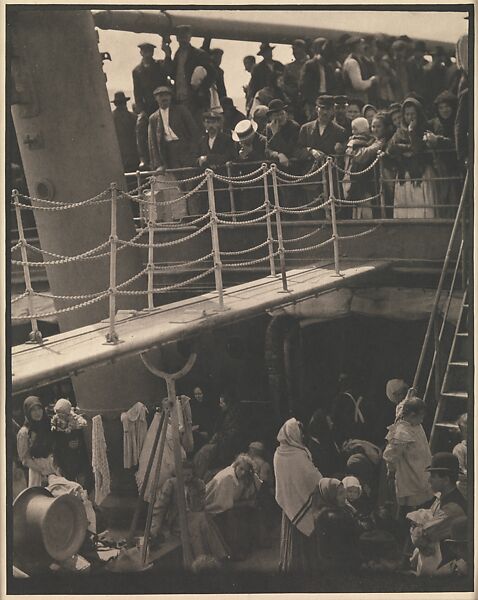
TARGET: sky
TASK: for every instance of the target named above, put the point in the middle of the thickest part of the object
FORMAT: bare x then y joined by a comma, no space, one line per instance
442,26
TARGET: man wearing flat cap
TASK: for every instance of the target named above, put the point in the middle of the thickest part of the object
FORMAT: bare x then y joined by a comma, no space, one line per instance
357,84
193,74
125,125
261,73
281,132
318,76
147,76
340,112
292,75
173,133
215,147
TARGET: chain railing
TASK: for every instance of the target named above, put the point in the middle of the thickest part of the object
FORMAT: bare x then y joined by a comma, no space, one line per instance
324,193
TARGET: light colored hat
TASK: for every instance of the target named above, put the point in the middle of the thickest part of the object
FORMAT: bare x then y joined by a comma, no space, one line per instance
396,390
244,130
351,481
361,125
62,406
257,446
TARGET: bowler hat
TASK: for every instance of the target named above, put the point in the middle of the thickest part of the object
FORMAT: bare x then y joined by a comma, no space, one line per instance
244,130
45,528
146,45
276,105
264,47
299,43
325,101
446,462
341,100
120,98
163,89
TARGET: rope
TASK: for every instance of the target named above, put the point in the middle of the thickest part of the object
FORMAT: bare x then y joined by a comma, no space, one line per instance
261,218
185,223
184,264
357,235
228,180
366,170
310,247
18,298
64,260
237,252
246,263
131,279
99,199
306,176
61,310
185,197
305,210
239,177
168,288
244,212
357,201
17,245
80,297
307,235
167,244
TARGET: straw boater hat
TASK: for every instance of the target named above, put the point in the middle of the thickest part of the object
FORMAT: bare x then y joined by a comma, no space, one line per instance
244,130
45,528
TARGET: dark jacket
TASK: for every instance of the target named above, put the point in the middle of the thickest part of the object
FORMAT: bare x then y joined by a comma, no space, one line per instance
258,151
310,82
218,74
309,137
285,140
196,58
125,125
346,123
260,77
183,125
222,151
416,76
232,118
146,80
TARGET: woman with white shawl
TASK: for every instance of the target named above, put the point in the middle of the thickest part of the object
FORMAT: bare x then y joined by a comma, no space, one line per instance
297,481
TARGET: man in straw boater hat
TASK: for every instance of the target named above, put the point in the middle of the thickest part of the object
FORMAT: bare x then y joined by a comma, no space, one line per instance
147,76
125,125
173,133
250,145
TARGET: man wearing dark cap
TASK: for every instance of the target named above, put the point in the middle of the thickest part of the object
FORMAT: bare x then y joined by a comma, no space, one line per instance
125,125
322,137
216,147
146,77
216,59
173,133
281,133
449,504
292,74
340,110
260,75
192,73
318,77
356,82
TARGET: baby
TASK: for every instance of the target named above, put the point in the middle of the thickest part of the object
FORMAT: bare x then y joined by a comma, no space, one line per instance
427,556
66,419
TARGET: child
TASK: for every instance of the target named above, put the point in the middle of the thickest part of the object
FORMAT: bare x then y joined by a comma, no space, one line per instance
426,556
66,419
460,452
407,456
353,491
262,468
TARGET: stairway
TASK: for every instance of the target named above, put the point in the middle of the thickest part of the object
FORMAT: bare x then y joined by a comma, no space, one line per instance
453,398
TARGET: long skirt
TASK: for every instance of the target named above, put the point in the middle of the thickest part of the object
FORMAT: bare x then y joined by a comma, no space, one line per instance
298,553
415,199
205,536
237,526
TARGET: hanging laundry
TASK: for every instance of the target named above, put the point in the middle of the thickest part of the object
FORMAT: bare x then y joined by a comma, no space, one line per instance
99,461
135,429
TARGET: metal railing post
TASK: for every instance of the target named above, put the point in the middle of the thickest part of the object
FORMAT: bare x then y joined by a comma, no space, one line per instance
381,190
231,191
335,234
280,238
140,195
216,252
270,243
150,266
35,334
112,336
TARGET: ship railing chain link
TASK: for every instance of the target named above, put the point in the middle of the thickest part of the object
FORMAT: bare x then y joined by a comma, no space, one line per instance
239,223
234,178
168,288
62,310
361,234
179,266
238,252
299,178
178,225
305,210
363,201
354,174
20,297
245,263
244,212
167,244
248,182
319,245
99,199
304,237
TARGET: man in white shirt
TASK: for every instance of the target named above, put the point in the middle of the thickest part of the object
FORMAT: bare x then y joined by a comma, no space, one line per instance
173,134
356,85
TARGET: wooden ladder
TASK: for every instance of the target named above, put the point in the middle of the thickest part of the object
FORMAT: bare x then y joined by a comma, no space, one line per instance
453,396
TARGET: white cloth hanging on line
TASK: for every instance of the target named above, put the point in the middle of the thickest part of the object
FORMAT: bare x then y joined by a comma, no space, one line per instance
135,429
99,460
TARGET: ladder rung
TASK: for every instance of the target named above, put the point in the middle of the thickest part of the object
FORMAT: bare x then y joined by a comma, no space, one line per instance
463,395
445,425
459,363
462,334
466,306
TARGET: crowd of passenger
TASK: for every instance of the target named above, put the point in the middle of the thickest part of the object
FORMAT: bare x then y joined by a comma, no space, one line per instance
353,99
353,487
